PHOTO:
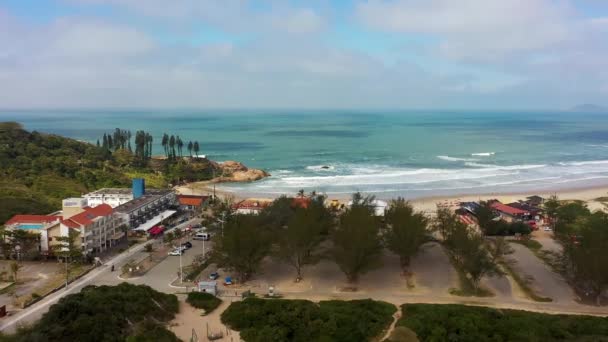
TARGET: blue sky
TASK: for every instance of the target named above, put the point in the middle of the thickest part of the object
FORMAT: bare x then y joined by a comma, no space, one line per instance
462,54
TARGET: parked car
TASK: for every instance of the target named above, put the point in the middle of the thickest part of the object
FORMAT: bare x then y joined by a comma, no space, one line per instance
187,245
214,276
197,225
202,236
177,251
547,229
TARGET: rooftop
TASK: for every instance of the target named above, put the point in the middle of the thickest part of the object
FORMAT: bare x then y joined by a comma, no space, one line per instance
126,191
507,209
193,200
252,204
32,219
88,215
144,200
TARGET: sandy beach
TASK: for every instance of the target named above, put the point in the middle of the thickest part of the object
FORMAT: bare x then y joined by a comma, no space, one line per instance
429,204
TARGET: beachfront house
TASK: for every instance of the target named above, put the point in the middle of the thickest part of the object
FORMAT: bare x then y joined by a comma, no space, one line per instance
192,202
251,206
508,213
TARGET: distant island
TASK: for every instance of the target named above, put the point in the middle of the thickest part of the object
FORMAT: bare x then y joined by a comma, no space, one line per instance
589,108
39,170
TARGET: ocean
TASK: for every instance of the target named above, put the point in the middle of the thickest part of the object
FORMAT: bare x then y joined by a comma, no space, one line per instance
386,153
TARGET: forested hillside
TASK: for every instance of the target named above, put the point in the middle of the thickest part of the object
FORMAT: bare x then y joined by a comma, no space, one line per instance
38,170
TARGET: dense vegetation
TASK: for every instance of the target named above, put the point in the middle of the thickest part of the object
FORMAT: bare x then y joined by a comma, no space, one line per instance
267,320
39,170
202,300
437,322
467,250
105,313
584,238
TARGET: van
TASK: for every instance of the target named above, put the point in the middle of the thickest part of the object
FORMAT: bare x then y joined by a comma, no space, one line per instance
202,236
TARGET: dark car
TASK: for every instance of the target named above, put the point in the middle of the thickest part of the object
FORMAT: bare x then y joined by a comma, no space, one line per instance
187,244
214,276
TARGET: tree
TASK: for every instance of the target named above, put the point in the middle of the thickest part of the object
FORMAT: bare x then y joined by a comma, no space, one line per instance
485,217
172,147
589,255
406,231
69,250
190,147
467,249
14,270
180,145
357,245
551,205
165,144
298,241
242,246
196,148
301,193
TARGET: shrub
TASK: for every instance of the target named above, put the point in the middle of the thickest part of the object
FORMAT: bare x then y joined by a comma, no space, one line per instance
202,300
301,320
437,322
108,313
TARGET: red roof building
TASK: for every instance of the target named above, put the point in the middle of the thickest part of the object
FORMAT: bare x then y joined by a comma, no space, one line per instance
88,216
32,219
509,213
300,202
251,206
192,201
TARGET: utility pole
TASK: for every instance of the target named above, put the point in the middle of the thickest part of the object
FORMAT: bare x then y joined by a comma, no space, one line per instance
181,251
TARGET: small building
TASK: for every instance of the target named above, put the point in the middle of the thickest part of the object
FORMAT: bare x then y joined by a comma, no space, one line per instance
301,202
192,202
251,206
470,207
208,287
508,213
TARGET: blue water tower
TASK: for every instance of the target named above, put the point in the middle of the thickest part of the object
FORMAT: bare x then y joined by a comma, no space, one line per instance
139,187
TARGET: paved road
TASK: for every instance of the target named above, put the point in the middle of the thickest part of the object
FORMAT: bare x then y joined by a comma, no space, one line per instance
101,274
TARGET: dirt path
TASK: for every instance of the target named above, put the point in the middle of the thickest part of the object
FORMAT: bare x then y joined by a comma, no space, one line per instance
189,319
390,329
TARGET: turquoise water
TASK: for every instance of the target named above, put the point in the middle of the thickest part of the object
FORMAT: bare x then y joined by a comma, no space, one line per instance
388,153
30,226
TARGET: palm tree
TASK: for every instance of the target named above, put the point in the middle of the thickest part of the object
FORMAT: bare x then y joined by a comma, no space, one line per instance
301,193
172,146
164,142
190,147
180,145
195,147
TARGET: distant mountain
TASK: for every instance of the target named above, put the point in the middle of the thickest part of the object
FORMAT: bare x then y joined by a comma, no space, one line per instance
587,107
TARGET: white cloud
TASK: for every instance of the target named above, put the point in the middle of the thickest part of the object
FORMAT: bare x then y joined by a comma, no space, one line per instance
477,29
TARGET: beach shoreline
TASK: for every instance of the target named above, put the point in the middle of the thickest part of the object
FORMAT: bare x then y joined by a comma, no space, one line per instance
429,203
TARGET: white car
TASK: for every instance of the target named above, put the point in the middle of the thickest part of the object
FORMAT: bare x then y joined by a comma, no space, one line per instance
177,251
547,229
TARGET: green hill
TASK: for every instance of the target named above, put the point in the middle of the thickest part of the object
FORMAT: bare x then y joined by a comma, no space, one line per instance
38,170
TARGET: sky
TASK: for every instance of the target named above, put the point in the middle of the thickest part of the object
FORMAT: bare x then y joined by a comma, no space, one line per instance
351,54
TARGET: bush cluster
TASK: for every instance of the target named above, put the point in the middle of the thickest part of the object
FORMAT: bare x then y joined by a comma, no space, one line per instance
437,322
300,320
105,313
202,300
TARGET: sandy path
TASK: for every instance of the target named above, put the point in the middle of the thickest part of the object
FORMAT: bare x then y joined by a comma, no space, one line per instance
547,282
189,318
